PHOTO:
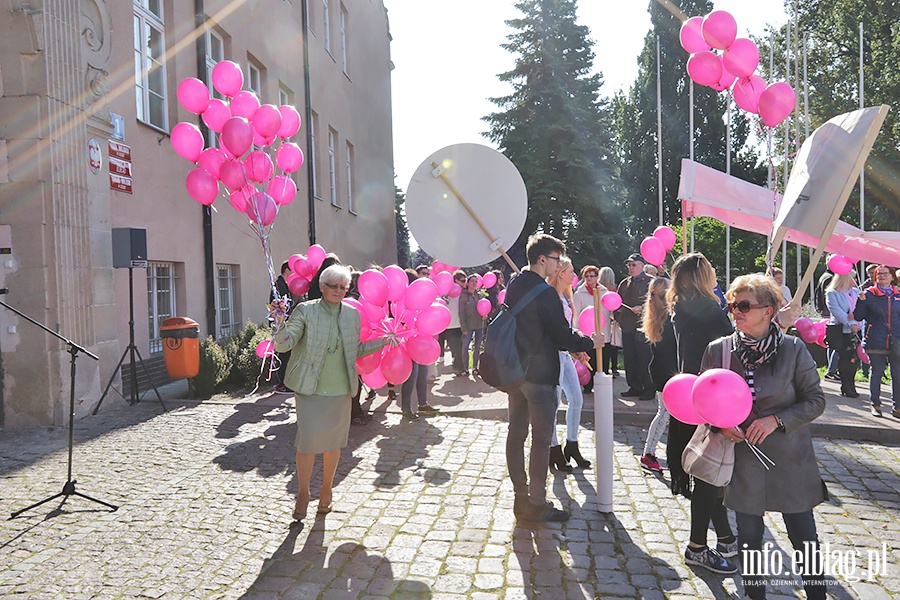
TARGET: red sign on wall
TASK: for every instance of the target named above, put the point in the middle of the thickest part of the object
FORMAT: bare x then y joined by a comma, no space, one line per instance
120,167
119,183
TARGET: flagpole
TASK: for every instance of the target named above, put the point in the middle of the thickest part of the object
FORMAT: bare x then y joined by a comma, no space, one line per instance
659,153
787,136
805,137
728,172
691,125
862,171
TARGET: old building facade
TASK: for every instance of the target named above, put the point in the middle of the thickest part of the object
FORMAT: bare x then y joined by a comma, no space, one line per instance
87,103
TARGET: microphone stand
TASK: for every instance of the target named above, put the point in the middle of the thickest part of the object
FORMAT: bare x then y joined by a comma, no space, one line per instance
69,487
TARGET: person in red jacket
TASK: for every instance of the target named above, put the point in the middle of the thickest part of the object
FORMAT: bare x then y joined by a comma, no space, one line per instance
879,307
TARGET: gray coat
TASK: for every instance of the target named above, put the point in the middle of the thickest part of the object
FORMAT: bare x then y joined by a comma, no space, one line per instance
788,387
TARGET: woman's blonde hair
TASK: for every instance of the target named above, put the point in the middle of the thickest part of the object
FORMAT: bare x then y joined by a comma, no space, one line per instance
607,278
656,311
841,283
556,280
766,291
692,277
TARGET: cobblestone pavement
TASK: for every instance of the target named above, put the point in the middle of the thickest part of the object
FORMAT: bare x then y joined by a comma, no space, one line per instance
422,510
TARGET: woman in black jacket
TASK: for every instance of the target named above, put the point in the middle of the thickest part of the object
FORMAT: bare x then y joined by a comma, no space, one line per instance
657,327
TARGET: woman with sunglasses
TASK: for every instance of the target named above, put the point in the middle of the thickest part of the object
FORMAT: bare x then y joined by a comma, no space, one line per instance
841,329
787,396
697,320
323,338
879,307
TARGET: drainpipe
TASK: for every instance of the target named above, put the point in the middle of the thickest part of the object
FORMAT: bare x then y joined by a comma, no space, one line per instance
309,139
209,266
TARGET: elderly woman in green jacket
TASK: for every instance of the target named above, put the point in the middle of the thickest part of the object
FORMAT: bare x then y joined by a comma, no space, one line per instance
323,339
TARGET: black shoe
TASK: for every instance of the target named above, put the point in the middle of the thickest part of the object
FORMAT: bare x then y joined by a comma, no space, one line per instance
645,395
558,462
370,395
392,395
427,408
572,452
850,394
410,416
832,376
587,390
631,393
615,374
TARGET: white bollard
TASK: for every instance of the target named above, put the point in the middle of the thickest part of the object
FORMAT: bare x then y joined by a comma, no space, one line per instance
603,432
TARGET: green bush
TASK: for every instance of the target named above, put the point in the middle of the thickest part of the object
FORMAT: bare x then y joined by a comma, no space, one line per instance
214,368
234,347
246,368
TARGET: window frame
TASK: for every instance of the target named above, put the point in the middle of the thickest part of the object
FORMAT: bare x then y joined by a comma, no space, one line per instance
154,315
326,22
332,167
147,20
348,149
232,282
251,70
344,19
313,166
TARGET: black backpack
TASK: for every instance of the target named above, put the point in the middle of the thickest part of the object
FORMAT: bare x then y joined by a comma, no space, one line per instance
500,365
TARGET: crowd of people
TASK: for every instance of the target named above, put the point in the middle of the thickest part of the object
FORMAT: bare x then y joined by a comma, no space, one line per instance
666,324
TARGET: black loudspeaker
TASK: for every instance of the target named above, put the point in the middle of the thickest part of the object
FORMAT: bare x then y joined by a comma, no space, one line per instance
129,248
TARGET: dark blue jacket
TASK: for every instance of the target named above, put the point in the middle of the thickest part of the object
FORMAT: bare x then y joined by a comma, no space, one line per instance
881,313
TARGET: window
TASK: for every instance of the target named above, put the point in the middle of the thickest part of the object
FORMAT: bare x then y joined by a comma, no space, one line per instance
254,81
313,127
284,96
215,53
228,320
332,174
160,299
149,63
327,22
349,178
344,39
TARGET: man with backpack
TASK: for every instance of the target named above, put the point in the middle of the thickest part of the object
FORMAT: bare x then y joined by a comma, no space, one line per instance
541,332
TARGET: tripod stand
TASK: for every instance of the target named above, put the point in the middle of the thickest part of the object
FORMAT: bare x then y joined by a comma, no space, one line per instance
130,350
69,487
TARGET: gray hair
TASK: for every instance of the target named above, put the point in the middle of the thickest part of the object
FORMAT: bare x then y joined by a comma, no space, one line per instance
335,275
607,278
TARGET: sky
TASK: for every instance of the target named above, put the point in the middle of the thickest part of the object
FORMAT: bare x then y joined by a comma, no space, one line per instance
447,56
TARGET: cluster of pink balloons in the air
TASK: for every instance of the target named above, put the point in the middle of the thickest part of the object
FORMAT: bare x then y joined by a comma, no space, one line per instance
654,247
442,275
719,397
813,332
409,315
241,122
734,68
304,268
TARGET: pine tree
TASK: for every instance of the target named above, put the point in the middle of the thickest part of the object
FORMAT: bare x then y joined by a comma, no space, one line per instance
557,131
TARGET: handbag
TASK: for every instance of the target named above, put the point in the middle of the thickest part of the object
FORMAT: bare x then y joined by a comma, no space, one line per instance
709,456
615,334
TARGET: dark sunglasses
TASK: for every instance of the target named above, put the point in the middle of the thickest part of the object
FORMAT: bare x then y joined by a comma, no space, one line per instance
744,306
335,287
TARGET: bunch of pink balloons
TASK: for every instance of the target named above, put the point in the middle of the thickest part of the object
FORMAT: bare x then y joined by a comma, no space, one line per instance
734,67
408,315
812,332
840,264
442,275
246,158
719,397
304,268
654,247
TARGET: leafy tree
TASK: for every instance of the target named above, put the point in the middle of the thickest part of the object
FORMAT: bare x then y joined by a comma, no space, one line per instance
558,132
403,258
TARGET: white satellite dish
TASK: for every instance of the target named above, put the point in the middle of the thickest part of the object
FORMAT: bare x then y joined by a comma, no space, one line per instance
466,204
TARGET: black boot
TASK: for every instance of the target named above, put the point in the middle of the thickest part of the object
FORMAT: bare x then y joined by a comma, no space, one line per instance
558,461
573,452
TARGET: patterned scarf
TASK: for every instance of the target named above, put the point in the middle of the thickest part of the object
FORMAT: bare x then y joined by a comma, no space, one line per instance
754,353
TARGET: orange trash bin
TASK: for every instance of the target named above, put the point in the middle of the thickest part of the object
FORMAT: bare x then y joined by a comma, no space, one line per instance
181,347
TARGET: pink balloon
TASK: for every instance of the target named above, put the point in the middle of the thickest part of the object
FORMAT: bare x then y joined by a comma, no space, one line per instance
455,290
259,166
746,93
369,363
315,255
586,321
375,380
227,78
211,160
704,68
861,353
420,294
237,135
244,104
691,37
354,303
187,141
305,269
483,307
215,115
443,281
292,265
397,281
584,374
574,281
372,313
776,103
223,148
677,398
282,189
719,29
501,296
806,329
289,157
653,252
479,282
423,349
373,287
741,58
238,199
265,349
666,235
266,120
439,267
202,186
298,285
193,95
725,81
722,398
433,319
840,265
262,209
489,280
233,174
290,121
611,301
396,365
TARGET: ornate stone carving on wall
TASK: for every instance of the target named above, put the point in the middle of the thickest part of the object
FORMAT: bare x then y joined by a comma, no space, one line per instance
96,48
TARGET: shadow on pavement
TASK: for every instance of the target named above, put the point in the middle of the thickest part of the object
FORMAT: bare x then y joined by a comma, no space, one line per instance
405,446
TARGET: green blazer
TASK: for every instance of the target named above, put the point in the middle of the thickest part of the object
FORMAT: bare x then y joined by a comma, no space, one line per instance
305,335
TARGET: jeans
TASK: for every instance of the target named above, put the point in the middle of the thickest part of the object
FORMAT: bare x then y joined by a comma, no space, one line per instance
637,361
418,379
476,352
568,385
801,527
657,427
534,405
832,361
453,337
706,504
878,363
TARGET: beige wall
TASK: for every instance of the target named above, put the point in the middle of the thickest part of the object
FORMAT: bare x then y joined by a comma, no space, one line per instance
69,64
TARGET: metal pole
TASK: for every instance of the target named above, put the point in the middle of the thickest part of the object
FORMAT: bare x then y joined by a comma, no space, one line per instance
728,172
691,125
862,171
659,153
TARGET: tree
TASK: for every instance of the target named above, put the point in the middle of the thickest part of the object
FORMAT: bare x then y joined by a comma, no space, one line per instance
403,258
558,132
